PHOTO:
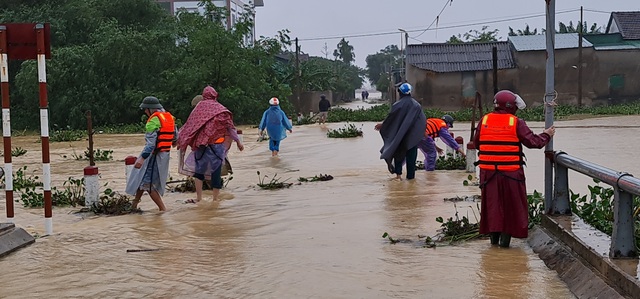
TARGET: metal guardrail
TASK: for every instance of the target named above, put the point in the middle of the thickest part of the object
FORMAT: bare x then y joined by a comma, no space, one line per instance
625,187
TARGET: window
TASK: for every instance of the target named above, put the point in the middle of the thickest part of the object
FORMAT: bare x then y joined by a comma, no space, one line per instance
616,82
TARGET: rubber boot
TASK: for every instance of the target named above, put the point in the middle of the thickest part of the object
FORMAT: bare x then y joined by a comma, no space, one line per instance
495,237
505,240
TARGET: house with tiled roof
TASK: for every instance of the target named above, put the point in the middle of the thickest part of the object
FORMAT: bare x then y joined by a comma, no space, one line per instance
447,76
627,23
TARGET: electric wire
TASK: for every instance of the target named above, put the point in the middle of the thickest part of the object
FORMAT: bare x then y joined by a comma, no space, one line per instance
480,22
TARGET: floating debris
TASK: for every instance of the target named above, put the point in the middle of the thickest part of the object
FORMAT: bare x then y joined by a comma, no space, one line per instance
274,183
471,198
320,177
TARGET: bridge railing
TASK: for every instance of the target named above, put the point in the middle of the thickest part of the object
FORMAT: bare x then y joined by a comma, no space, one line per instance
625,186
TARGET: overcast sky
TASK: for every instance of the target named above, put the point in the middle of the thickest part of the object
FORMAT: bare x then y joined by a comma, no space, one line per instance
371,25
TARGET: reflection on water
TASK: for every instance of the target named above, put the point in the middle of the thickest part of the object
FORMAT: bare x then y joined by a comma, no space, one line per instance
313,240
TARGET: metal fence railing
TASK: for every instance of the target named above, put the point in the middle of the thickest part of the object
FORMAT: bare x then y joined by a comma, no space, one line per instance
625,187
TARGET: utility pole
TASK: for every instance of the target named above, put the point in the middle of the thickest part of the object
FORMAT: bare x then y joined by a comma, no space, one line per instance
404,51
494,54
549,101
580,59
325,51
297,72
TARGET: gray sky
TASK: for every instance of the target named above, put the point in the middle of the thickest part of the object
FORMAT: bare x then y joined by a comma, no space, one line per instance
312,21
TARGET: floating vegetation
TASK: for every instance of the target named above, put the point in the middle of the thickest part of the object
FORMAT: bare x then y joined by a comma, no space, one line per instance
189,184
348,131
447,163
21,180
18,151
458,229
451,231
471,181
98,155
274,183
320,177
451,163
66,135
472,198
113,203
306,120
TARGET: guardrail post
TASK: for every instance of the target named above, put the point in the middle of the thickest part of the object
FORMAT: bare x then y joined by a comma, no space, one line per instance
622,238
560,203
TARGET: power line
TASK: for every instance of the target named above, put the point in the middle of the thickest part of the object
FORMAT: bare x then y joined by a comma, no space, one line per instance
445,27
437,17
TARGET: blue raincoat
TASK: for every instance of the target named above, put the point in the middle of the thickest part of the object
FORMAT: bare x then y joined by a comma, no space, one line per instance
276,123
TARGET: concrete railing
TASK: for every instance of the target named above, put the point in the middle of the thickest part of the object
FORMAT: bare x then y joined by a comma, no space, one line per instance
625,186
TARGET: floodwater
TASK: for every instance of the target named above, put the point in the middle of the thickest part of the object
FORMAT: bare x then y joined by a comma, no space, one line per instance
313,240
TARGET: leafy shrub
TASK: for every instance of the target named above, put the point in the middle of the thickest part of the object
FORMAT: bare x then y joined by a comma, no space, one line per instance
113,203
348,131
98,155
66,135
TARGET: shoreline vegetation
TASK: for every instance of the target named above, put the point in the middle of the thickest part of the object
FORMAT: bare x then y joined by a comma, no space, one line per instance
375,114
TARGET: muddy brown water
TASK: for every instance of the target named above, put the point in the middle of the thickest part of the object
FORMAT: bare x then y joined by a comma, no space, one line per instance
313,240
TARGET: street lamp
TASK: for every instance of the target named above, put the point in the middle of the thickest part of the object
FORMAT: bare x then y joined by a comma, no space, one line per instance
404,52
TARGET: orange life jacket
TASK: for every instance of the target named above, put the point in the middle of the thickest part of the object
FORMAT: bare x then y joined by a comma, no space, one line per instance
166,133
434,125
500,148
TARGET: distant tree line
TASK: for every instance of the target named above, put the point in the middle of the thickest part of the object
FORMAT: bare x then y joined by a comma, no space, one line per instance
108,55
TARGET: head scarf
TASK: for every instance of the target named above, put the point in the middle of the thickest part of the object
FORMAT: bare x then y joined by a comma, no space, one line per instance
203,113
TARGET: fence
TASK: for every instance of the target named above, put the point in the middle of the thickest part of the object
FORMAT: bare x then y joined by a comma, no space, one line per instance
625,187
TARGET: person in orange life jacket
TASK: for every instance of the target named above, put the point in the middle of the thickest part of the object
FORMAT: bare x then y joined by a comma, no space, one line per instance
437,127
499,138
151,171
209,132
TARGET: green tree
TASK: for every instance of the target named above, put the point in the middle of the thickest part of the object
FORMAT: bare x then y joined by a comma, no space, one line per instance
379,65
526,31
475,36
107,56
594,29
345,52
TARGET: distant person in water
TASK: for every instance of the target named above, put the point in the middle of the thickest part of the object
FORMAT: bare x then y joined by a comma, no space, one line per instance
275,122
323,106
401,132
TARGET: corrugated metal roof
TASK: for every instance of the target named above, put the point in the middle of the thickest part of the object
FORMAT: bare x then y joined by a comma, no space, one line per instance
445,58
628,22
615,47
612,41
539,42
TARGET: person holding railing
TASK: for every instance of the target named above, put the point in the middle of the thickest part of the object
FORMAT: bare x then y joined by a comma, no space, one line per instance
499,138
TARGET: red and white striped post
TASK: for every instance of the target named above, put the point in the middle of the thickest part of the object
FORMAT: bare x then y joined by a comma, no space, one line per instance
6,122
91,186
471,157
44,129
